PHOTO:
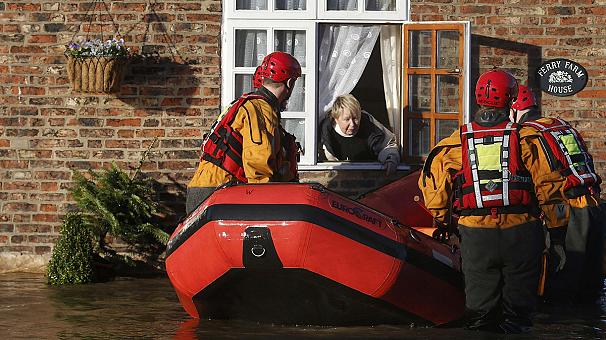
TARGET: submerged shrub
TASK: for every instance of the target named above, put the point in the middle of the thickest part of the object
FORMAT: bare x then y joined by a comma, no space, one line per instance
114,203
109,202
72,258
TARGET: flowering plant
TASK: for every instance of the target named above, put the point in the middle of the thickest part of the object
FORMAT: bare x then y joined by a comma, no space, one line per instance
97,48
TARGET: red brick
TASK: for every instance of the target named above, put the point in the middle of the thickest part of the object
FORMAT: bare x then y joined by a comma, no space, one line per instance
573,20
124,122
28,7
42,39
41,250
128,7
592,94
48,207
24,90
45,218
19,207
151,133
27,49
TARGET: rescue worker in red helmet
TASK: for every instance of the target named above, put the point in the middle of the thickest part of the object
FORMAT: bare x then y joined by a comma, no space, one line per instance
246,143
500,182
576,273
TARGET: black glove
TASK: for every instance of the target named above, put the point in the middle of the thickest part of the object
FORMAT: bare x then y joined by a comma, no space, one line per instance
441,232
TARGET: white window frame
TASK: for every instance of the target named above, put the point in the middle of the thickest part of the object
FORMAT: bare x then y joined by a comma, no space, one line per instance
263,20
230,11
401,13
229,70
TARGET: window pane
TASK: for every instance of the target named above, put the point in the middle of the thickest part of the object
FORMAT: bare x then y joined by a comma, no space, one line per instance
295,126
291,5
419,49
251,47
251,4
243,84
419,92
342,5
380,5
418,130
445,127
448,94
448,49
291,42
296,103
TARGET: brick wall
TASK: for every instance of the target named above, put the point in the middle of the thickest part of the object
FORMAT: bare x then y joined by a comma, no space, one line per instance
46,131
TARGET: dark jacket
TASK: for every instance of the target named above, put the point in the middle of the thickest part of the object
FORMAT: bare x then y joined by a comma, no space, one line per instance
373,141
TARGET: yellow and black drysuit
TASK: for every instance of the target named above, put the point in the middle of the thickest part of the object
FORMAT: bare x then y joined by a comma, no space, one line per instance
501,246
261,157
582,276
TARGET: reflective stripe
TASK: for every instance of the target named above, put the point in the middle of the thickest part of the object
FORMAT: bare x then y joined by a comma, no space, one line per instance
505,166
481,131
573,170
481,140
492,197
474,168
489,178
588,160
560,137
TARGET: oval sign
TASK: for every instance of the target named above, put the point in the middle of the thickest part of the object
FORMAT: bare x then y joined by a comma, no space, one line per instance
561,77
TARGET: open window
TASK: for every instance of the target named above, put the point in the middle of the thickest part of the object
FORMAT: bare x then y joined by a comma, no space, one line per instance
413,78
436,83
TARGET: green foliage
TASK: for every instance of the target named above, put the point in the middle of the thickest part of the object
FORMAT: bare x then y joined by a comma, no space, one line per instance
109,203
72,258
113,203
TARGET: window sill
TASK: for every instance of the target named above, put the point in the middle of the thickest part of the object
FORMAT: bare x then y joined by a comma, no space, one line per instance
348,166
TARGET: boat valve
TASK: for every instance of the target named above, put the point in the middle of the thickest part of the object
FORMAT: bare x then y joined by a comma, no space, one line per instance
257,250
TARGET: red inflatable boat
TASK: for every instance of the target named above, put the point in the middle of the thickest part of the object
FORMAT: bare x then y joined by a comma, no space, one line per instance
301,254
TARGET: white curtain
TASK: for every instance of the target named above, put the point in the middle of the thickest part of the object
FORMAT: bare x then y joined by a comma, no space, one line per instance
251,4
380,5
391,56
293,42
342,5
291,5
344,53
251,47
352,5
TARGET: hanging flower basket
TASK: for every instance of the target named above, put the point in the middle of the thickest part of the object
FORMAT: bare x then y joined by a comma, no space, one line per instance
94,66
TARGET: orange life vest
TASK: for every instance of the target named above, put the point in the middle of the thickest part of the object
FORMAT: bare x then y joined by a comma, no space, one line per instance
223,145
291,153
493,179
567,151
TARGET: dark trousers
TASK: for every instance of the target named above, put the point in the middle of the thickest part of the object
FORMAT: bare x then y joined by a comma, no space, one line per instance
501,269
582,277
195,197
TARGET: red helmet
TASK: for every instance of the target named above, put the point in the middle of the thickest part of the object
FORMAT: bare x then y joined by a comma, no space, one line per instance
258,78
496,88
280,66
525,98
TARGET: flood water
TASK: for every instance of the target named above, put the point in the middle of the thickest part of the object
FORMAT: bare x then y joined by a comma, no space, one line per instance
149,309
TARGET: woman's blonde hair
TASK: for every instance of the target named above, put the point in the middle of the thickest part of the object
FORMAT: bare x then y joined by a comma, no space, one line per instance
346,101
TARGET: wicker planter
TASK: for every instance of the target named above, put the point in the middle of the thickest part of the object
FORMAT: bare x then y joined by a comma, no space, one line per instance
96,74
